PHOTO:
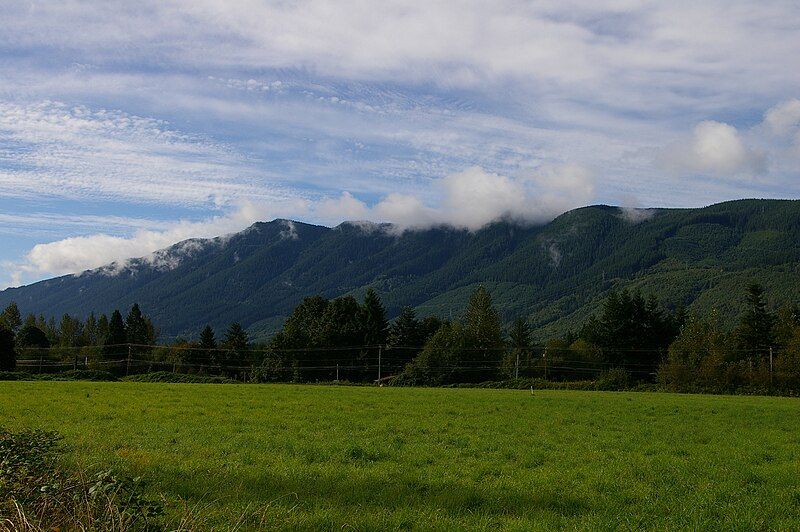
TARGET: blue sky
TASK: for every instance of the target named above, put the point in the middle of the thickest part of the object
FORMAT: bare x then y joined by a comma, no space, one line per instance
128,126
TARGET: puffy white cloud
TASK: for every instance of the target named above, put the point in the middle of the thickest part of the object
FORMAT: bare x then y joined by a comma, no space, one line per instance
784,117
76,254
471,199
783,122
345,207
713,148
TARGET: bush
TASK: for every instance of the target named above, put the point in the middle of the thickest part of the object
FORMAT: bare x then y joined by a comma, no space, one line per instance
15,376
166,376
80,375
614,379
38,493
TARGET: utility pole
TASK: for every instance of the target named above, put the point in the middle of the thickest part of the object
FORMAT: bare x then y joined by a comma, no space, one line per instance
516,366
380,353
544,356
337,372
128,366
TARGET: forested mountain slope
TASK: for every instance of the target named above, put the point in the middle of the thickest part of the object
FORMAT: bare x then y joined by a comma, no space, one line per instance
555,274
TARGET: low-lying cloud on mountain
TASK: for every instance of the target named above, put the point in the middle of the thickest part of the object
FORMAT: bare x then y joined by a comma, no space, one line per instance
469,199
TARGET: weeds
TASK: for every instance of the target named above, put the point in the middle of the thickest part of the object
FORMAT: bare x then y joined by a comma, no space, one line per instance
37,492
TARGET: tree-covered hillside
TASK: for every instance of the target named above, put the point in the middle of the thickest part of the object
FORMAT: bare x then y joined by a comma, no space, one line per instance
555,274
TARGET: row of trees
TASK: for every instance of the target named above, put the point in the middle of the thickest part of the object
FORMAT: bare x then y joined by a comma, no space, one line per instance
72,337
342,338
71,332
762,351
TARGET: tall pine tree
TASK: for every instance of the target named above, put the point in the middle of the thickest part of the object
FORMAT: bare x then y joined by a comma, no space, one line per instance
376,326
8,355
755,334
116,337
11,317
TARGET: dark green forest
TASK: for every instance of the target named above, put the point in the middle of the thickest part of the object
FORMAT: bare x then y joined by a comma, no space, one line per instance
631,341
554,276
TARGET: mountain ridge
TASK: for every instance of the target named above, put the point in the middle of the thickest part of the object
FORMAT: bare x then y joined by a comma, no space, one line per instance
555,273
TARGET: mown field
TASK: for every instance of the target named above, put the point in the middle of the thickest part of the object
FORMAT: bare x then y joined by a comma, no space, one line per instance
321,457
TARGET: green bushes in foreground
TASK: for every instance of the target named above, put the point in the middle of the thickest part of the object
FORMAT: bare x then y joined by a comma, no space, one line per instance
38,492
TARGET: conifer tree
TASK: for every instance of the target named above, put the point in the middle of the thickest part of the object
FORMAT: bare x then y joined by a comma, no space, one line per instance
11,317
116,337
8,355
207,339
32,336
236,343
755,332
405,338
208,344
519,337
136,326
484,335
483,322
376,326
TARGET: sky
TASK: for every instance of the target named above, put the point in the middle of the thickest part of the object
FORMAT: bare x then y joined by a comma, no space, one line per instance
128,126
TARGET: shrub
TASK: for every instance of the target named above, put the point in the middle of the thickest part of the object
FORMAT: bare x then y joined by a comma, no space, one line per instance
166,376
38,493
614,379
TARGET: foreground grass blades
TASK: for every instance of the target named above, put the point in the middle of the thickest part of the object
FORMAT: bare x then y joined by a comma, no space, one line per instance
285,456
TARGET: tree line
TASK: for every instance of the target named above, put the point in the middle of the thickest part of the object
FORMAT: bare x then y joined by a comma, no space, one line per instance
631,339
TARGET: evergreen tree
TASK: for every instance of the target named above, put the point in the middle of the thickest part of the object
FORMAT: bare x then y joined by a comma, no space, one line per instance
236,343
136,328
755,332
90,330
32,336
207,339
70,331
631,330
11,317
102,328
8,356
116,338
484,334
376,326
519,356
405,338
441,360
208,345
406,330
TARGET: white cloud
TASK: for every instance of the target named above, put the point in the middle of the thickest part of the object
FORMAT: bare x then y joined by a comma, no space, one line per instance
783,122
471,199
713,148
345,207
76,254
784,117
53,149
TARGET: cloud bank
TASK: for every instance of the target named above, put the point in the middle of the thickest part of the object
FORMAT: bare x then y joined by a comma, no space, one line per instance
472,199
76,254
469,199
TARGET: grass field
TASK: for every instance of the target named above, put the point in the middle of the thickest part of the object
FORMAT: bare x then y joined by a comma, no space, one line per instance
320,457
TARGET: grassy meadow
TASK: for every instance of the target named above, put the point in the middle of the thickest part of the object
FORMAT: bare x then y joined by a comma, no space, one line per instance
364,458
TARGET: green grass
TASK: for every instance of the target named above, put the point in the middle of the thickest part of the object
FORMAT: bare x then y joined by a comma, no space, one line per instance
399,458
